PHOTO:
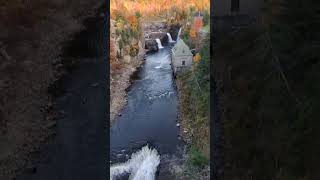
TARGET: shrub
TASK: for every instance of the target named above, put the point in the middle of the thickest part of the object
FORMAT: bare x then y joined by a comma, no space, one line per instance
197,158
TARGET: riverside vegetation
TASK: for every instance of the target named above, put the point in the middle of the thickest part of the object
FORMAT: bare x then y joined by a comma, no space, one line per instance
194,94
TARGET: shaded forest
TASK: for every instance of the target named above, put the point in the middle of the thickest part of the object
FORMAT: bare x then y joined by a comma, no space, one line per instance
268,85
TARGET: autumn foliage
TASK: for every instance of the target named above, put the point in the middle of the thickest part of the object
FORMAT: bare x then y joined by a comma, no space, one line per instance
127,16
196,26
133,22
149,8
197,58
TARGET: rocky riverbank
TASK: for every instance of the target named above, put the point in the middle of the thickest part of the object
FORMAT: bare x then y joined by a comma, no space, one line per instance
194,165
119,83
123,67
126,65
193,92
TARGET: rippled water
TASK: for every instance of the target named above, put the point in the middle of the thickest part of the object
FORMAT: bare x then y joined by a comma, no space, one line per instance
151,113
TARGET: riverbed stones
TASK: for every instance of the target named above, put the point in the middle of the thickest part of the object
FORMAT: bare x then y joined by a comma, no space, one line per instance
127,58
185,131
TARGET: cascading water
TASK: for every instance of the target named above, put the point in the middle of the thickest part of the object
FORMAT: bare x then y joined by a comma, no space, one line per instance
159,44
141,166
179,33
170,38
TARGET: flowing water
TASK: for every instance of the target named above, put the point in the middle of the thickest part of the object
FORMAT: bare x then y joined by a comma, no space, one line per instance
149,118
170,38
179,33
142,165
159,44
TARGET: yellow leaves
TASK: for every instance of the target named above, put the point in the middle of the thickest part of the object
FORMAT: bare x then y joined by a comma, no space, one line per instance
192,33
195,28
120,25
156,7
197,58
125,4
134,50
202,4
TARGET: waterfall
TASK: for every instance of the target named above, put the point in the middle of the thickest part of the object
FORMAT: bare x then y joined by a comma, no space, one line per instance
142,165
159,43
170,38
179,33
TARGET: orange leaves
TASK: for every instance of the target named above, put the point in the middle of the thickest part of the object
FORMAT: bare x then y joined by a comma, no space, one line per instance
202,4
196,26
133,21
197,58
193,33
156,7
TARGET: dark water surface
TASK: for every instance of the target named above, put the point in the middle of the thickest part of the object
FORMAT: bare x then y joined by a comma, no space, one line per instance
151,113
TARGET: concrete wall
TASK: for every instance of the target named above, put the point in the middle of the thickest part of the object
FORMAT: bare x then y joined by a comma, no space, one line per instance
177,62
247,7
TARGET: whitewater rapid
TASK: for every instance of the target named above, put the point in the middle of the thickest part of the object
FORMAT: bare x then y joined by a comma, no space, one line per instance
159,43
170,38
141,166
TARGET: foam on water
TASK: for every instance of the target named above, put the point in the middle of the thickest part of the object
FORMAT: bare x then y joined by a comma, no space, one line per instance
179,33
170,38
141,166
159,43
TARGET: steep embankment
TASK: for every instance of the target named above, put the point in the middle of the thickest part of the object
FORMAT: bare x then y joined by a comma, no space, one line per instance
31,40
193,89
126,55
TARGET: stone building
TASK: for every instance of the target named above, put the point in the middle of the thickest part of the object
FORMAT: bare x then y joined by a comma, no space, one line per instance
181,57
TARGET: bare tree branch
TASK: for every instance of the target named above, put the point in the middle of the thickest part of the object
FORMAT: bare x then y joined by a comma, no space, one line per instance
3,52
279,67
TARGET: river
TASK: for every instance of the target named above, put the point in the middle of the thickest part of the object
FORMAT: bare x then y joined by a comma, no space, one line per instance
150,116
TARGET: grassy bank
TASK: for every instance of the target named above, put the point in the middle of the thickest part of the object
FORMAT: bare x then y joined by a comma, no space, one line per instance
31,43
